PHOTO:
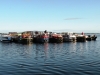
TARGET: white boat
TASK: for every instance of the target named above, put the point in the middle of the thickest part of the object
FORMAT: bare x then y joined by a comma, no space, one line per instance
6,38
67,37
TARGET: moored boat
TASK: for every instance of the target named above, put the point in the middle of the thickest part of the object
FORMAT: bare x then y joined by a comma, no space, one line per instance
81,38
42,38
88,38
56,38
69,37
94,37
6,38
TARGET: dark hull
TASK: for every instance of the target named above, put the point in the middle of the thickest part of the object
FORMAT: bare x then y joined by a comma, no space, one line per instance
94,38
56,40
89,39
40,40
80,39
68,39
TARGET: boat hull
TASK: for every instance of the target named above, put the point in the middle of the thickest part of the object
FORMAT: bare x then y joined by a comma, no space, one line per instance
56,40
40,40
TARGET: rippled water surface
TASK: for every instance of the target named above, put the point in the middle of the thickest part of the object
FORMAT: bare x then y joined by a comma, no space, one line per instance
79,58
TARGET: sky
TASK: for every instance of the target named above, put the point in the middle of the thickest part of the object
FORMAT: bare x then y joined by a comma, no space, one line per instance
50,15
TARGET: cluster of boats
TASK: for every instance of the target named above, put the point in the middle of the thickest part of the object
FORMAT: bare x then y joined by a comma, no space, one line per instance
47,37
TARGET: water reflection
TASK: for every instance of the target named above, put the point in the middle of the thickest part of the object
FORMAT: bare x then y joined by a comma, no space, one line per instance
48,50
41,50
46,47
36,51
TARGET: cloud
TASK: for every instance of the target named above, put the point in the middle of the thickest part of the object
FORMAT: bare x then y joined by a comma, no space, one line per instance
72,18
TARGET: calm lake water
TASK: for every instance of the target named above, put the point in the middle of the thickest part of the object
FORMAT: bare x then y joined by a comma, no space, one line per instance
79,58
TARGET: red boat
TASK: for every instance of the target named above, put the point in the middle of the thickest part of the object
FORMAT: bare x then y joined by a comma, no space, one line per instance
57,38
